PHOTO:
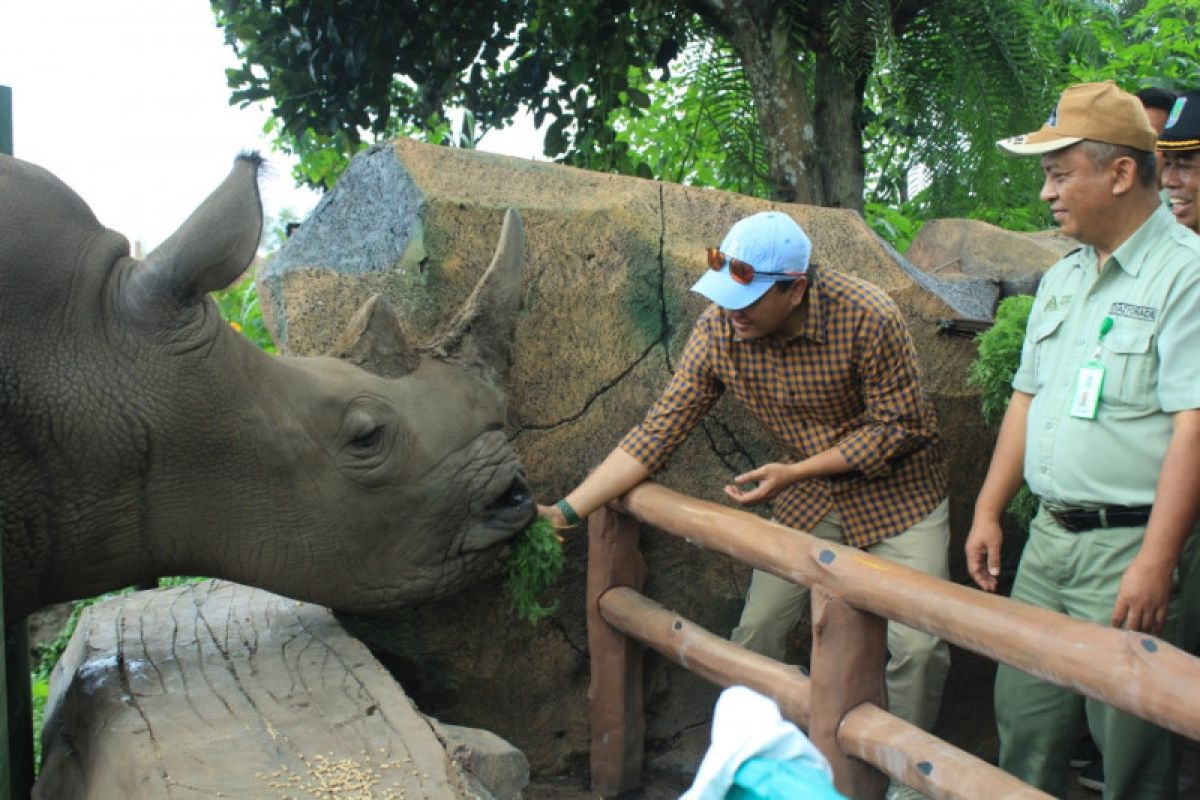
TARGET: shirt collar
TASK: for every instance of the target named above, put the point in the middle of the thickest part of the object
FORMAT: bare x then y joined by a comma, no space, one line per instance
1132,252
812,325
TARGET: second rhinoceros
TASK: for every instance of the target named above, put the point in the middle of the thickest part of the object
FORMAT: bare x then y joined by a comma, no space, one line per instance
141,436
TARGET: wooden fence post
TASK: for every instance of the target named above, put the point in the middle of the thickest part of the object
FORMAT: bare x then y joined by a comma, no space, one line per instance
615,693
849,652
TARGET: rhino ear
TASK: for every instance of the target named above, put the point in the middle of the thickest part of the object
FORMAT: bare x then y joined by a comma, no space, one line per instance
481,335
374,341
211,249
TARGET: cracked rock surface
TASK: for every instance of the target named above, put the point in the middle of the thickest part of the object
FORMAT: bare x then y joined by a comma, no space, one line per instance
214,689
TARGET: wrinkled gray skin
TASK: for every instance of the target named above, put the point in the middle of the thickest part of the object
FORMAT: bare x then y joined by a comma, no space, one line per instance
141,436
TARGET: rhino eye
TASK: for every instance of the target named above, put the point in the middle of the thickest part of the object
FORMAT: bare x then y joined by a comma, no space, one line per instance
368,440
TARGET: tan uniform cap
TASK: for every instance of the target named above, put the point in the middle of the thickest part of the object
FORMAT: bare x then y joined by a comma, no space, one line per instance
1100,112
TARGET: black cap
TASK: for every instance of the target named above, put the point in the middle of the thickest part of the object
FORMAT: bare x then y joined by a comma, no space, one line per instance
1155,97
1182,131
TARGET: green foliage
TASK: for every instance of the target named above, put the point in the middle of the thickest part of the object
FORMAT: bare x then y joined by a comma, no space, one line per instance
347,73
899,226
699,128
993,370
343,74
1136,44
1000,355
239,307
535,563
961,76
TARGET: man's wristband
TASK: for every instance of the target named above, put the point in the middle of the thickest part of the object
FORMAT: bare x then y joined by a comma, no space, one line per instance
568,513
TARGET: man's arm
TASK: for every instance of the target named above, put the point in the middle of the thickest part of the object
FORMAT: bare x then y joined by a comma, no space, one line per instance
897,417
1004,477
1145,588
774,478
617,474
689,395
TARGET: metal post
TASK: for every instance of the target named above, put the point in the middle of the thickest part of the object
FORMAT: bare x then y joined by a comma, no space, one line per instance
16,704
6,147
6,127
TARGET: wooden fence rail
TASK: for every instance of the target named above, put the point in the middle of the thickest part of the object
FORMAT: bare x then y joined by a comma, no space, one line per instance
853,594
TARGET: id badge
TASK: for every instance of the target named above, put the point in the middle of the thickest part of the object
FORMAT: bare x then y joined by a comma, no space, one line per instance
1087,391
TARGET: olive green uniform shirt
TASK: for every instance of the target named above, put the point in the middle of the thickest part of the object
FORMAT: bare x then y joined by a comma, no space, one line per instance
1150,288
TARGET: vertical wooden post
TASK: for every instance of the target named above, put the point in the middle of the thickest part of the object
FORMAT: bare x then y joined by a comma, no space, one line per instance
848,656
615,693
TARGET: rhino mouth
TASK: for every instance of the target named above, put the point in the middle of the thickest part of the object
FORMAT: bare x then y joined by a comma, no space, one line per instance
507,514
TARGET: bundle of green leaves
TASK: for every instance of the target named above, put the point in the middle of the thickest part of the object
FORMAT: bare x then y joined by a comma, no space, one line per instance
993,370
535,563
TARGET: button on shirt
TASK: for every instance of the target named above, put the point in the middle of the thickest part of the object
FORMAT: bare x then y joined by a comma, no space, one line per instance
849,379
1150,288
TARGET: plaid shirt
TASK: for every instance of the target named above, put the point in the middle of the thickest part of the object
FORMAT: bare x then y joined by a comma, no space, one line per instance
848,379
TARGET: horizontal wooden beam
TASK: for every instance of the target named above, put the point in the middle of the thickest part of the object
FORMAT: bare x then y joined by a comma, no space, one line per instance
1135,672
898,748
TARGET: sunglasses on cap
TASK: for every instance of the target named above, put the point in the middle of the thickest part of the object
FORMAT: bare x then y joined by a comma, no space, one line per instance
740,271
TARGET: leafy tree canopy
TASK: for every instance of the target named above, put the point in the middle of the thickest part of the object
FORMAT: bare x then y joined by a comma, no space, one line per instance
837,102
809,74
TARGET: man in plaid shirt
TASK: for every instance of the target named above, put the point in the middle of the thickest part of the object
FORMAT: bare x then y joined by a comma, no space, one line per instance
825,363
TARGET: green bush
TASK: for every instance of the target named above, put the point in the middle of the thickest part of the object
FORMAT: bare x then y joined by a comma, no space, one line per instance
239,307
993,370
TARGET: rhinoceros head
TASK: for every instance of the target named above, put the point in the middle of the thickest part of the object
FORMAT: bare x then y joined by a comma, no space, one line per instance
142,436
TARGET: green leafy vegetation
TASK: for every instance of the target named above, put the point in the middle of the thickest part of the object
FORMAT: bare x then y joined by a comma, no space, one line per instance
239,307
899,226
993,370
833,82
535,563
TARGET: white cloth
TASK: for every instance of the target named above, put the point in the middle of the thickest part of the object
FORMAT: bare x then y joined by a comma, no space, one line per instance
747,725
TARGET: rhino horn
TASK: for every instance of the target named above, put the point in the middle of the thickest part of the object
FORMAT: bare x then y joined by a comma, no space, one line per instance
212,248
374,341
481,335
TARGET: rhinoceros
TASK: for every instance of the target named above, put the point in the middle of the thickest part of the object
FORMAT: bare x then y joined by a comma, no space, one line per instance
141,436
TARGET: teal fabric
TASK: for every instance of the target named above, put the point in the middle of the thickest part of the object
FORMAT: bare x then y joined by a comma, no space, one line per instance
768,779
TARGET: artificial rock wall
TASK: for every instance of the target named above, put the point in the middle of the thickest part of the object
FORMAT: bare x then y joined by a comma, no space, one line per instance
606,309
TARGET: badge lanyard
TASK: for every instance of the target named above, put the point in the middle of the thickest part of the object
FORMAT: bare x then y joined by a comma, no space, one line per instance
1090,380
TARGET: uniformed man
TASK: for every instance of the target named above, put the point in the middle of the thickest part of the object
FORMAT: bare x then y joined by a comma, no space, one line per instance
1180,146
1104,426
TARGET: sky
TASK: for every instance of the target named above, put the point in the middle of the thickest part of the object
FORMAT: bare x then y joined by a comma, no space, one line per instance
126,102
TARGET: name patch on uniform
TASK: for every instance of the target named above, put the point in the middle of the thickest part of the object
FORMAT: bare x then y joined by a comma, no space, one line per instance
1144,313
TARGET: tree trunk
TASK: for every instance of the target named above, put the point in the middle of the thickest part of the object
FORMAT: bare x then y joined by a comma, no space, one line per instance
839,96
813,144
761,37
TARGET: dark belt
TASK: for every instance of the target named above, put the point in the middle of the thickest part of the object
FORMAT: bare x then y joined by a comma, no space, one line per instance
1078,520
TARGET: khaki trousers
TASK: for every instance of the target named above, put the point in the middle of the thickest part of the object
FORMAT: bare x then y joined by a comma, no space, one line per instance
918,663
1078,574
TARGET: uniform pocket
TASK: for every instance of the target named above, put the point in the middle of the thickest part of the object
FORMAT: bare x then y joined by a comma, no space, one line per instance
1043,336
1129,365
